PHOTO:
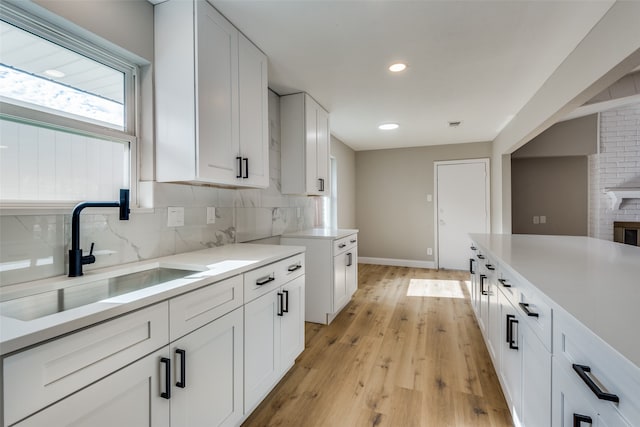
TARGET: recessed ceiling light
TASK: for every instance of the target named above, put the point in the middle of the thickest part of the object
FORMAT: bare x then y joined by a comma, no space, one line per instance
55,73
397,67
388,126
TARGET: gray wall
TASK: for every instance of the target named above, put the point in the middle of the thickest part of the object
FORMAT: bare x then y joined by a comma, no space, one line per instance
392,213
577,137
555,187
346,165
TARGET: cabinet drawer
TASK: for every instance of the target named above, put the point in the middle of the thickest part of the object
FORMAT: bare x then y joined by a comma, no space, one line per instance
575,344
195,309
46,373
264,279
509,286
344,244
536,314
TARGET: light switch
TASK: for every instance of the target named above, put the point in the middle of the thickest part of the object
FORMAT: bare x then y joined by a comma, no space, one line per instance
211,215
536,219
175,216
543,219
429,198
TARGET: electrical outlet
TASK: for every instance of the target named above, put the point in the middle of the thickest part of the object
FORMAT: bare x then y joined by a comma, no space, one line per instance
543,219
429,251
211,215
175,217
429,198
536,219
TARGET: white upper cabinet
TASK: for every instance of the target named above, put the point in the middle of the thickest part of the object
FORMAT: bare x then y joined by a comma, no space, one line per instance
211,99
305,146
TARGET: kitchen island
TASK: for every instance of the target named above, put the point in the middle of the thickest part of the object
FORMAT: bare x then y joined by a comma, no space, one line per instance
564,301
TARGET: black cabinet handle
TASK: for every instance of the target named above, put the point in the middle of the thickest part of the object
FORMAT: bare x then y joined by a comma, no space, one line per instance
265,280
525,307
482,279
473,248
321,182
490,267
183,368
582,370
349,259
342,245
285,308
471,270
504,283
246,168
480,256
513,344
353,241
294,267
508,327
167,378
239,159
280,304
578,419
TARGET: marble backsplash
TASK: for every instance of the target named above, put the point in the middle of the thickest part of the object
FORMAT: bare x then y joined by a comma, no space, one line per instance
35,246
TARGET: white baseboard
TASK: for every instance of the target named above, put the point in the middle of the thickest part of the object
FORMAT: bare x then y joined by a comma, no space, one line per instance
397,262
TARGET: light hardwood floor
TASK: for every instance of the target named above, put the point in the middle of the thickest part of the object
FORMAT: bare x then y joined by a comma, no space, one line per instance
392,359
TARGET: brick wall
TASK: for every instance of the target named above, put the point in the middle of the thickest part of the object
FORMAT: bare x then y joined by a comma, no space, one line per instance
617,163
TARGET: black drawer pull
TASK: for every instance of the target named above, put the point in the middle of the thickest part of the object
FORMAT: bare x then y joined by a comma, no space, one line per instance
578,419
183,368
353,241
265,280
513,344
507,328
525,307
321,184
349,259
166,394
246,168
582,370
471,270
239,159
285,308
482,279
280,304
342,245
473,248
490,267
294,267
504,283
480,256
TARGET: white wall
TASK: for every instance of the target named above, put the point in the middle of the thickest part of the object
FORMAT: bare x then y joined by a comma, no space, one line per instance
346,165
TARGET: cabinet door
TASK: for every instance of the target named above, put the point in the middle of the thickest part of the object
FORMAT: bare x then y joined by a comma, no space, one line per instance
254,101
536,380
494,322
340,294
262,355
311,146
322,150
210,391
570,402
483,304
216,96
510,354
129,397
352,271
292,322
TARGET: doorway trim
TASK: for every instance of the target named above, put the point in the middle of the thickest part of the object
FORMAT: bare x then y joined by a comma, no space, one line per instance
487,162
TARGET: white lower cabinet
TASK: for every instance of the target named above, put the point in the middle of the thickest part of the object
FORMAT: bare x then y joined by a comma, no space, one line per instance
128,397
207,374
274,337
510,356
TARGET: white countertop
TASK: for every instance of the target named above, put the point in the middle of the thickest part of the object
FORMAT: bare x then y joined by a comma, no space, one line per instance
595,281
322,233
212,265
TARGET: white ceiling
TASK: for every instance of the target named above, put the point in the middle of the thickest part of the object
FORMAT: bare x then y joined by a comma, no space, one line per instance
474,61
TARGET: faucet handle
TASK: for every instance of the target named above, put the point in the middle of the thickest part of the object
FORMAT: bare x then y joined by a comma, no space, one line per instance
89,259
91,250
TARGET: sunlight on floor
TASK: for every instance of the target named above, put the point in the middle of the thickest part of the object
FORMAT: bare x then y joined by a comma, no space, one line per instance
436,288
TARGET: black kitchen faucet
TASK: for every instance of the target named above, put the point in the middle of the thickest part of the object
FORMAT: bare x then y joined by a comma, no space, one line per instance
76,260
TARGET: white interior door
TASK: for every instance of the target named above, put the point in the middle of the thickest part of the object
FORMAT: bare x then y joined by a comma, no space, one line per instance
462,207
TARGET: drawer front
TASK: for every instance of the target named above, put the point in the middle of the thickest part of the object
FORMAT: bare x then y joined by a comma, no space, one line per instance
344,244
46,373
536,314
264,279
195,309
575,344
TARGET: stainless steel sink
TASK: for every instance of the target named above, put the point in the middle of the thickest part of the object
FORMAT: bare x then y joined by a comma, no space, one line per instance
56,301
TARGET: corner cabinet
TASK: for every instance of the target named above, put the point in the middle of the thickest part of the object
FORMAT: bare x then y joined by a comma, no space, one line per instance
211,99
305,139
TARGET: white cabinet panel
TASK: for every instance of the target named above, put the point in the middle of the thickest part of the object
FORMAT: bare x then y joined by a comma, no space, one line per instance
129,397
292,334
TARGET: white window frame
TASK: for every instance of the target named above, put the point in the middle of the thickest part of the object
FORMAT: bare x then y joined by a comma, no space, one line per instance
67,39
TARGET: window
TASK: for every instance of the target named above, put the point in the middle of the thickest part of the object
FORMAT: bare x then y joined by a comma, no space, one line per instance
67,116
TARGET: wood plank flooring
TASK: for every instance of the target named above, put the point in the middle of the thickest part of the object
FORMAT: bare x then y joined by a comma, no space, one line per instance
406,351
